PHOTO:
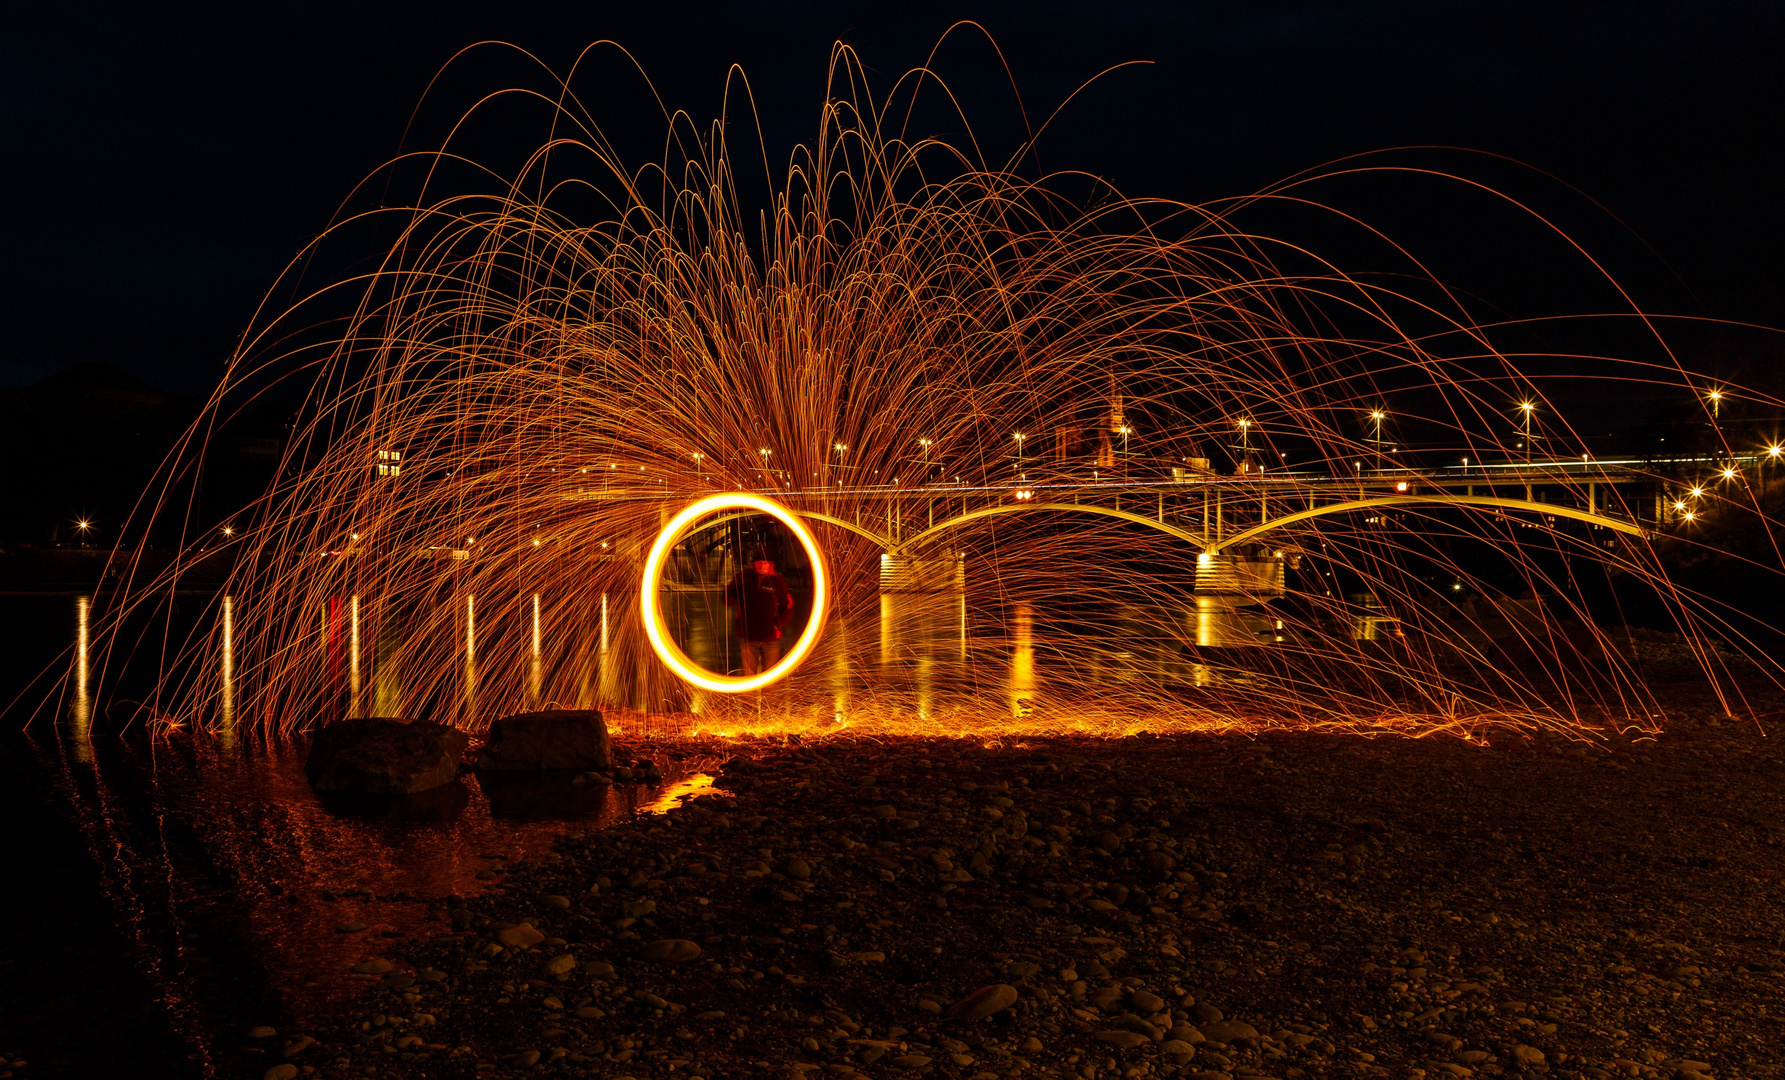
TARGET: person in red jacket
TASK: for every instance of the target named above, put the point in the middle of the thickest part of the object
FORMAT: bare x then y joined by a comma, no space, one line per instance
760,605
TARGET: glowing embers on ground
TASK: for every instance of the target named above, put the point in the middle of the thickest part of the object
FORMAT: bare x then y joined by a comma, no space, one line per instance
673,795
651,607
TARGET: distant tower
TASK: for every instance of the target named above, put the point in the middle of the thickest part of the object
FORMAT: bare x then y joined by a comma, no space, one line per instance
1065,443
1106,439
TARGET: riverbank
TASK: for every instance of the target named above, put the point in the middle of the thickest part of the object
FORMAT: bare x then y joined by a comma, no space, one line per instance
1195,906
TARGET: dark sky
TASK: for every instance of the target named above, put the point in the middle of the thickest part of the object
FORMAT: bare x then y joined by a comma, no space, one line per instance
162,162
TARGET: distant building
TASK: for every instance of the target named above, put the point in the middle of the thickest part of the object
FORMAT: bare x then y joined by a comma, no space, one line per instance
1066,443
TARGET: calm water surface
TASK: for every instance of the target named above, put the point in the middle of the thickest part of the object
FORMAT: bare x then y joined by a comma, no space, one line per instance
223,882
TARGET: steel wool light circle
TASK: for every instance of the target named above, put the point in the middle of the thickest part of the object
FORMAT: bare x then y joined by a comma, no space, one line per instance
658,631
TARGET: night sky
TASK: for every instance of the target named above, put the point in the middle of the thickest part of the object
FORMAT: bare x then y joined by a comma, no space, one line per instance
163,162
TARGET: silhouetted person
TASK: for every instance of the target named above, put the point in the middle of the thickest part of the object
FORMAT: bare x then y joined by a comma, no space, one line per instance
760,605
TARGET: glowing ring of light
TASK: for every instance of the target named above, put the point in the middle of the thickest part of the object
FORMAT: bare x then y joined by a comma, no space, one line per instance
658,631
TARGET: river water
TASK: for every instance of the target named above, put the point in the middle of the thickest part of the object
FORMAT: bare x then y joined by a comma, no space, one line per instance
171,892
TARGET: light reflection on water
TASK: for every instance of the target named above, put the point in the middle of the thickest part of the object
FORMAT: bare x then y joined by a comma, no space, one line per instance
922,655
226,663
83,696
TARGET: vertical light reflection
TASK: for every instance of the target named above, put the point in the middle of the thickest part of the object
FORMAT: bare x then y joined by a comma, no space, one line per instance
889,615
386,686
963,624
470,659
536,671
608,681
226,675
353,676
1022,661
1208,625
82,721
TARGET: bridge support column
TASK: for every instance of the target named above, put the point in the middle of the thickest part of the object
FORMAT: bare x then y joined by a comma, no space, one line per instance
1592,498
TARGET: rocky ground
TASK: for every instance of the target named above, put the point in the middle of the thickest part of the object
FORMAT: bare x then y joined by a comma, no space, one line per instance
1290,906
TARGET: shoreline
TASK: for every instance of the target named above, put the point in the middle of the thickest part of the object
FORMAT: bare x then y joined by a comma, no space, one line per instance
1292,905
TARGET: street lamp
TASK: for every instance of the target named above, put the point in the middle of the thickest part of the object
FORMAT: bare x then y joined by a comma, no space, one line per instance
1378,416
1018,436
1716,400
1526,408
1246,437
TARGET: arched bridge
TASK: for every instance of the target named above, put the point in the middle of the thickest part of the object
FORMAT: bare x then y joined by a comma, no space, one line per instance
1203,542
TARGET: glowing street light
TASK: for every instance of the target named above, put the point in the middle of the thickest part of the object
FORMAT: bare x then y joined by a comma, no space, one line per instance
1715,397
228,530
1377,416
1018,436
1246,437
1526,409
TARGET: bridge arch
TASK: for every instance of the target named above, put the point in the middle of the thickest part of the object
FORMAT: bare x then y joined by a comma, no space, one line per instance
1385,501
809,515
1030,508
912,542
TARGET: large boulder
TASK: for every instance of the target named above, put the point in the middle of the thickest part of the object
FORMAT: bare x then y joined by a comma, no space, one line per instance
555,739
384,755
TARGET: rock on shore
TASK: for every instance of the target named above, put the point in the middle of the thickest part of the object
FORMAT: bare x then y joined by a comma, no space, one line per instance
383,755
554,739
